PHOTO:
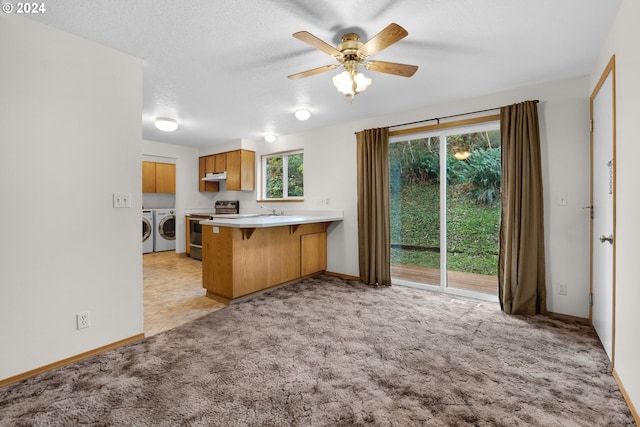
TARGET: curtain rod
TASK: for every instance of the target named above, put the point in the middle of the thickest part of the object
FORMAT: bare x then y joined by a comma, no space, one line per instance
449,117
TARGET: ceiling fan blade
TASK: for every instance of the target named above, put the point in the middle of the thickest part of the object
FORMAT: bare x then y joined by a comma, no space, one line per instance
385,38
403,70
312,40
313,71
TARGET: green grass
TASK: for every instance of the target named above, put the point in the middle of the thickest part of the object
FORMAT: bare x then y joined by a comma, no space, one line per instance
472,230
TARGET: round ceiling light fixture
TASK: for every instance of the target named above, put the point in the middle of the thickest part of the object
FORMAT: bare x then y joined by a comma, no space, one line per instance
166,124
270,138
303,114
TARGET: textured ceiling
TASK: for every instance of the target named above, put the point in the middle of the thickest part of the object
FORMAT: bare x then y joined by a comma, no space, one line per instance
220,66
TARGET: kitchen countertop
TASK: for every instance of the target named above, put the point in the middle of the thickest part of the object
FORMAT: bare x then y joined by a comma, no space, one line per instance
260,221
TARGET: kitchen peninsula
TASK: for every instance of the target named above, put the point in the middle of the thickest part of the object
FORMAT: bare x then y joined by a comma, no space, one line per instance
243,254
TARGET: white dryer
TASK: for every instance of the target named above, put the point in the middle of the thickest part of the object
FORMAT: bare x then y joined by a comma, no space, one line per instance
147,231
164,238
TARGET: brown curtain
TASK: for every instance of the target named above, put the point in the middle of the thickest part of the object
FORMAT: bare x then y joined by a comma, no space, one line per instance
373,206
521,266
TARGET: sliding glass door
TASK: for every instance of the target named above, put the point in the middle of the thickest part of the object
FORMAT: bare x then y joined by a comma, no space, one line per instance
415,209
445,209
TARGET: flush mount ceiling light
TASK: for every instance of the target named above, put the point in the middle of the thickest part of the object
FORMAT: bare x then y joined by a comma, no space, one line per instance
303,114
166,124
270,138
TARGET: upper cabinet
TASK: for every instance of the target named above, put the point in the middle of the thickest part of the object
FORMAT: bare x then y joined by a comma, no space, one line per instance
148,177
219,162
240,168
158,177
165,178
207,165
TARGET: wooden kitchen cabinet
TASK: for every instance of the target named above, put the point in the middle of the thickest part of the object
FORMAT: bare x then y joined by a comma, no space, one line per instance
313,253
207,165
188,234
241,167
238,262
158,177
165,178
148,177
219,162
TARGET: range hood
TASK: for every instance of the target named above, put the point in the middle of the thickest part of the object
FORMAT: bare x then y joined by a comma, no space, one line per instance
215,176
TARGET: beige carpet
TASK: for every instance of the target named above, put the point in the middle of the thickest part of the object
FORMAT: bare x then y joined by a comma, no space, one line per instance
331,352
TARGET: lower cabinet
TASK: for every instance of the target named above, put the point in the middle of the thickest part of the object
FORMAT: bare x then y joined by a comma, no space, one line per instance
238,262
313,253
187,220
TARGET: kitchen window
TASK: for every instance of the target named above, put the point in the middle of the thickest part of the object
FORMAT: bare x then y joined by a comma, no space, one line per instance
283,176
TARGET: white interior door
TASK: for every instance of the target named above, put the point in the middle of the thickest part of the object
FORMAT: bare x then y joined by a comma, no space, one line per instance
603,188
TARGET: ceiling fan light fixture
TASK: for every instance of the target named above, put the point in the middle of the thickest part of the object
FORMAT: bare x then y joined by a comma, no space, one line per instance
462,155
362,82
351,53
166,124
303,114
346,82
270,138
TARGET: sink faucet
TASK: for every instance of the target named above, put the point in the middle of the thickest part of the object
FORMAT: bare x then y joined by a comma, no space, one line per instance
273,211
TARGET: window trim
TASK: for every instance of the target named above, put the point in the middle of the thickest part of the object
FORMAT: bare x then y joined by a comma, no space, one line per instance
263,181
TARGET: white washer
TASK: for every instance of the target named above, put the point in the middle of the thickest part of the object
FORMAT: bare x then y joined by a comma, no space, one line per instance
164,225
147,231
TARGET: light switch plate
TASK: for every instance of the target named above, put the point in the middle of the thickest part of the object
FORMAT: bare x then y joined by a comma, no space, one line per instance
563,199
121,200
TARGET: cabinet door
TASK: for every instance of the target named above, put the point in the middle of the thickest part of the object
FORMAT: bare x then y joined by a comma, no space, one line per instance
220,162
313,253
241,170
248,170
233,170
201,173
165,178
210,164
188,234
207,165
148,177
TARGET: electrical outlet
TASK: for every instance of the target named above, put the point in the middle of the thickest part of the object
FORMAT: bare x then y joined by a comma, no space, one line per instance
562,288
83,320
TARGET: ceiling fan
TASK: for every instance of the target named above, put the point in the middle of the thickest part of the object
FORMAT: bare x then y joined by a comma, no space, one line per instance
351,53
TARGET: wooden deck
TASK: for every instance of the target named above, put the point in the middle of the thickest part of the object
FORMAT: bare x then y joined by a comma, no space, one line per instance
456,279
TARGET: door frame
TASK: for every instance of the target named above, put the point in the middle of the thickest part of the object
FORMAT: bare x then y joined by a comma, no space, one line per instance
609,70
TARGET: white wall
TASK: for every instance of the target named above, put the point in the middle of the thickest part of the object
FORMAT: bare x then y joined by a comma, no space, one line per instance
622,42
330,172
70,137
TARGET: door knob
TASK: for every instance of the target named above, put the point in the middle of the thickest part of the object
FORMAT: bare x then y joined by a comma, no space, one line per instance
608,238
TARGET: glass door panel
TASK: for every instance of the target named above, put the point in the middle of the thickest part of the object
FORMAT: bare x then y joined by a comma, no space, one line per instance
473,210
415,210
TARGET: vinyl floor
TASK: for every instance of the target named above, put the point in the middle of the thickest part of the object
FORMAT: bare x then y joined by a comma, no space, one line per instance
173,292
